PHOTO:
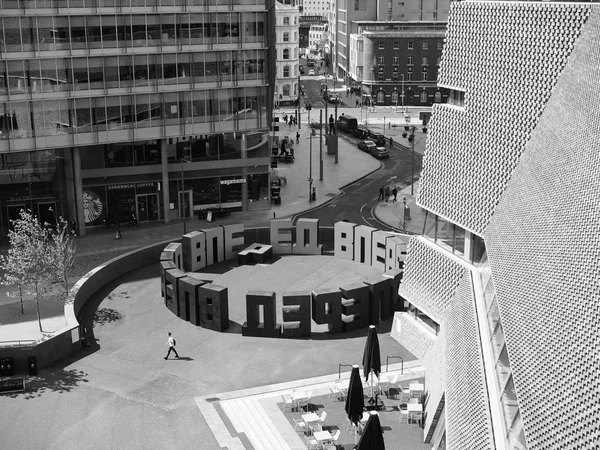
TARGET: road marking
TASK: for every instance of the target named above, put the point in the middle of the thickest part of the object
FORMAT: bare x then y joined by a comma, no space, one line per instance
392,178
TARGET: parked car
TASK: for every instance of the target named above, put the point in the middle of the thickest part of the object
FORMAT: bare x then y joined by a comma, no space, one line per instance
366,146
361,133
379,139
333,98
347,123
380,152
311,72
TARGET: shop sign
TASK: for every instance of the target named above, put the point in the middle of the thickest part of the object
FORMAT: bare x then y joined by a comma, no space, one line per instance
234,181
92,206
149,184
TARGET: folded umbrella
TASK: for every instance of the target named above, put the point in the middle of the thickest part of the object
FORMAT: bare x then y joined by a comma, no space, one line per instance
355,400
372,357
372,435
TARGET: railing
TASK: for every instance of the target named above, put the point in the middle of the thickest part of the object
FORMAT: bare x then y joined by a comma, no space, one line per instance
340,369
387,363
19,343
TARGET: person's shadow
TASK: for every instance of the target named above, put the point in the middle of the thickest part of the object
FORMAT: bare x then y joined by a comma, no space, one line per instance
182,358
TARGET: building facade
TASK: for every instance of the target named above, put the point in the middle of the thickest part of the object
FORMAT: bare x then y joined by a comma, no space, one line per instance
149,107
397,62
317,37
287,48
501,289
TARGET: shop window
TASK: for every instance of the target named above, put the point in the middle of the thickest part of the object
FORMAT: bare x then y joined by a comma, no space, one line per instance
395,98
118,155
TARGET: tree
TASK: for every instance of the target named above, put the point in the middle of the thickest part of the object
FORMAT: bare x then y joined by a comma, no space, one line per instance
62,252
28,263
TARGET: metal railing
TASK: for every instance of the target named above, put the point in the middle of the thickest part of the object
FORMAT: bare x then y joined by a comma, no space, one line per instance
387,363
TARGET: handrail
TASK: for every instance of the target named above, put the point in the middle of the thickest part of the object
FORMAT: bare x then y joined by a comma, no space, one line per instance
340,369
387,363
18,342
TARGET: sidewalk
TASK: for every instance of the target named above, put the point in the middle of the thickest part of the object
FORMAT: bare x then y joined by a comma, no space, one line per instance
391,213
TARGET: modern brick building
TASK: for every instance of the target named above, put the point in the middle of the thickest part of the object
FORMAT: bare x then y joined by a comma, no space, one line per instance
502,288
105,101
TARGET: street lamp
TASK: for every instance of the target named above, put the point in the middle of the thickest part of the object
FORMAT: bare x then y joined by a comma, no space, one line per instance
412,141
183,208
402,75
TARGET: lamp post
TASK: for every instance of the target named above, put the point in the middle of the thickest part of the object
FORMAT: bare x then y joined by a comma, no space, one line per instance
183,208
298,110
412,141
402,75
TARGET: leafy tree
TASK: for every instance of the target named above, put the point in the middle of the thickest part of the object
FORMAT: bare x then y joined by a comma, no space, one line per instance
28,263
62,252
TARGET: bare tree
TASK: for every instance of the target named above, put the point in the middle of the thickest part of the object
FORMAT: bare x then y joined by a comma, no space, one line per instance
62,252
27,265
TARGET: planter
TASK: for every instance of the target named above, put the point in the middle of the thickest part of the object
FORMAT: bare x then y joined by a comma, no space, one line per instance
424,130
404,134
406,128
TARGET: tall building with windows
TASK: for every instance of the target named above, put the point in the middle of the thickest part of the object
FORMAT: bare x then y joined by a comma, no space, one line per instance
502,289
287,48
145,107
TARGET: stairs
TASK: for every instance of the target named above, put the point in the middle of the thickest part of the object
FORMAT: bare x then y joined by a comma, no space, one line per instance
436,418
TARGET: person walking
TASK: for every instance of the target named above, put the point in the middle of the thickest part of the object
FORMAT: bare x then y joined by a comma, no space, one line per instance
391,142
331,124
297,137
395,193
171,343
357,103
380,194
387,193
285,119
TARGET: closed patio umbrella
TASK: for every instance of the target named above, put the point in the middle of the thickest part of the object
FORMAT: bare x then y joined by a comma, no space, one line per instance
355,400
372,435
372,357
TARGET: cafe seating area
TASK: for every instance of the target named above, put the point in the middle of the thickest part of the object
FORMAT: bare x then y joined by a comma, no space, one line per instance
322,423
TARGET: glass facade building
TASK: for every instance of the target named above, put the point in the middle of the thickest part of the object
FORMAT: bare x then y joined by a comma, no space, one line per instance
101,93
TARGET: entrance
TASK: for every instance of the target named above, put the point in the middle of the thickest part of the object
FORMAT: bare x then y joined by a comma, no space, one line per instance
186,203
47,212
146,207
12,212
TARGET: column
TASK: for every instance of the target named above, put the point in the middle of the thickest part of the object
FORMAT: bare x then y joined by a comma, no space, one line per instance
71,212
165,179
78,191
244,146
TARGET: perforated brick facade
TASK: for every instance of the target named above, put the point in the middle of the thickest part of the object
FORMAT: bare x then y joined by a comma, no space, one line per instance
467,413
544,252
506,58
430,278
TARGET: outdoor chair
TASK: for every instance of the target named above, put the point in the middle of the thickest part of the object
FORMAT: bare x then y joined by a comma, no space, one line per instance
404,416
334,393
413,400
311,443
288,403
405,393
299,425
322,418
417,416
335,436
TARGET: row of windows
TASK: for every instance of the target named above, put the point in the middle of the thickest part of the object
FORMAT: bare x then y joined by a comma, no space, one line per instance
52,4
66,74
246,107
138,30
406,77
410,60
411,45
409,98
286,20
286,36
288,72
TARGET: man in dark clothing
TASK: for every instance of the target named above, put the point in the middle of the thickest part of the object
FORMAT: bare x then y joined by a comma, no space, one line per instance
395,193
391,142
285,118
387,193
297,137
331,124
380,194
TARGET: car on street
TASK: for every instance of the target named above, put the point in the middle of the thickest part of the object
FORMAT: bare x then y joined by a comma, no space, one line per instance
380,152
311,72
361,133
379,139
366,146
333,98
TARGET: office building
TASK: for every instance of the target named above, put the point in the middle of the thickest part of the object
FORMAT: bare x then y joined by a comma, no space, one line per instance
147,107
502,289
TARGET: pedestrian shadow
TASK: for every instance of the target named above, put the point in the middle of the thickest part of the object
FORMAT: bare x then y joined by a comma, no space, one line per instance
182,358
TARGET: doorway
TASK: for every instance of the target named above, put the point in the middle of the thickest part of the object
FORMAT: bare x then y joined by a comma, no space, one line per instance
147,207
186,204
47,212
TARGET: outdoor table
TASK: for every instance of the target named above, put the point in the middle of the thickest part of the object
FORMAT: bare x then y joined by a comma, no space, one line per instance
298,396
342,385
310,417
322,436
415,408
416,388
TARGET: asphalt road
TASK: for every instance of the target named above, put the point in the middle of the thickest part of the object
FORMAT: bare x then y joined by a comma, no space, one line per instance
359,198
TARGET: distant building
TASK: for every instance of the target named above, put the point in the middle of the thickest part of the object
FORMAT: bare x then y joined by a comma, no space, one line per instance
318,39
397,62
502,289
287,39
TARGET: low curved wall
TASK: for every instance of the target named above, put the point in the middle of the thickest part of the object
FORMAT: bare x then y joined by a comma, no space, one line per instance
66,341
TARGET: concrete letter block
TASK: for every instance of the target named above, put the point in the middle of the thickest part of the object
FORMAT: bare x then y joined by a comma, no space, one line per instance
255,254
172,277
253,326
213,301
355,306
395,253
281,236
307,238
234,239
164,266
296,314
380,303
194,251
343,240
379,249
176,249
327,308
395,276
188,299
215,246
363,238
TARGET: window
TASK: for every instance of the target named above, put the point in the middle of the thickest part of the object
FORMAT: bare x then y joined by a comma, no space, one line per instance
409,76
286,72
438,60
286,53
395,75
381,45
396,60
437,98
396,45
286,20
381,59
295,20
410,60
410,45
424,75
425,45
286,37
286,90
395,98
435,15
423,97
424,61
440,45
380,76
381,97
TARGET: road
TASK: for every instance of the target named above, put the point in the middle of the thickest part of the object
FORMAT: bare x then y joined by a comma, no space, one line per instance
358,199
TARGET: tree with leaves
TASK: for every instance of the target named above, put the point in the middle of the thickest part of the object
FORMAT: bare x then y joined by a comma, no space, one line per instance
62,252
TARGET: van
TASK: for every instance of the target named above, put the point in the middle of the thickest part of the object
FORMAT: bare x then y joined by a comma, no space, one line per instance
347,123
